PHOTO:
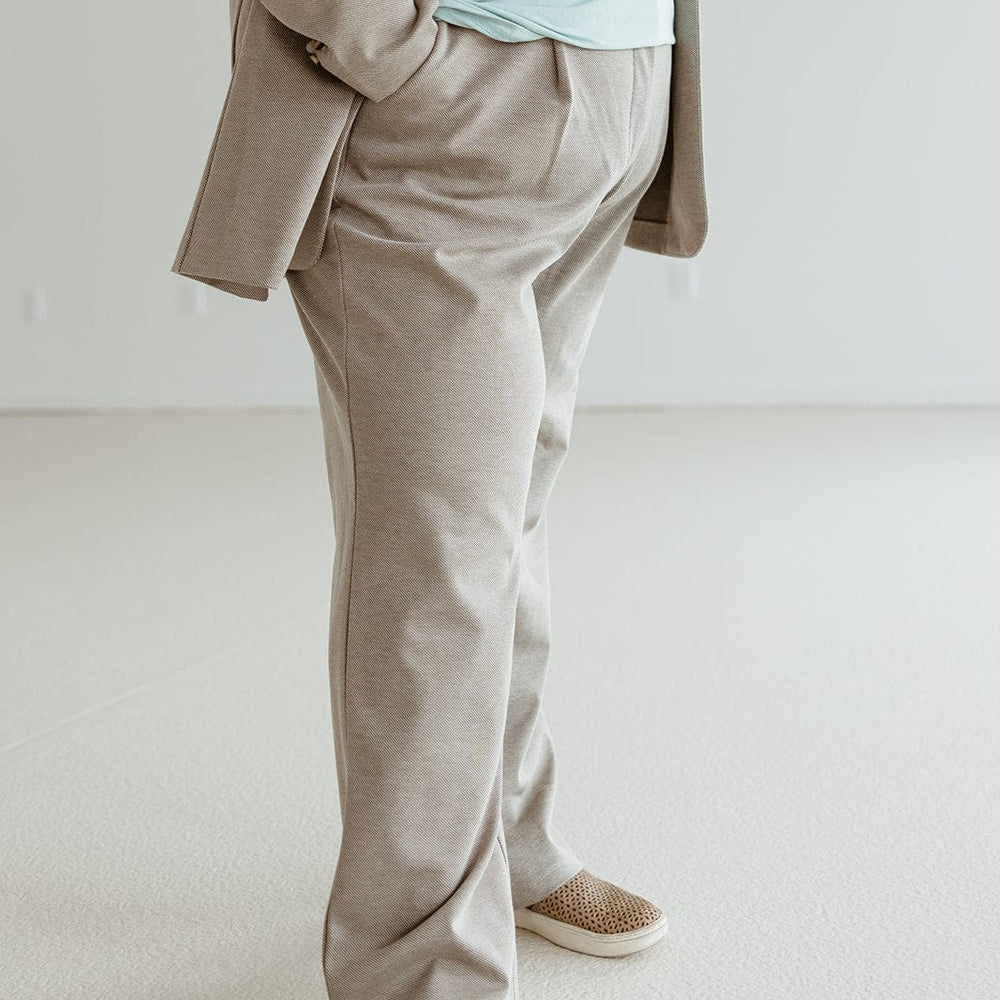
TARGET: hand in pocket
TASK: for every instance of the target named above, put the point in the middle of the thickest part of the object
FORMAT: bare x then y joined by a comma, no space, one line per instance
314,49
375,58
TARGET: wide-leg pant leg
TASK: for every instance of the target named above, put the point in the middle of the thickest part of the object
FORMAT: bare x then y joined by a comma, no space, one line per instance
455,194
568,296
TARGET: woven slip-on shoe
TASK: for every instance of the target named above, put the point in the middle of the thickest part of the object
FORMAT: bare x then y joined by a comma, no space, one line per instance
595,917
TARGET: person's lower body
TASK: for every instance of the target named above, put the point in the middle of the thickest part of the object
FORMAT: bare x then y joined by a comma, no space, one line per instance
478,212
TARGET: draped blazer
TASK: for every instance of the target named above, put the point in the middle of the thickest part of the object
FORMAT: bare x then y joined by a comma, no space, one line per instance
267,188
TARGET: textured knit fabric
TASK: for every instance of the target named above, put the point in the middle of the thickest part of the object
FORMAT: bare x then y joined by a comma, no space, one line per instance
476,215
261,207
596,905
594,24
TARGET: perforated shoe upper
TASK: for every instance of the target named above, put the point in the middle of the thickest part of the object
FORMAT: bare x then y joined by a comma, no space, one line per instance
598,906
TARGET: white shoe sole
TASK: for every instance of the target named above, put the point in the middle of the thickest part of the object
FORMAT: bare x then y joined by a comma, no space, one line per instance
589,942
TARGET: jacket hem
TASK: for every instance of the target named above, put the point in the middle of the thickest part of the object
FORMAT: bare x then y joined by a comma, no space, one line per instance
245,291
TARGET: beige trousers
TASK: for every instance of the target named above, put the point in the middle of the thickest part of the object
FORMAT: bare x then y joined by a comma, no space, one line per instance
478,211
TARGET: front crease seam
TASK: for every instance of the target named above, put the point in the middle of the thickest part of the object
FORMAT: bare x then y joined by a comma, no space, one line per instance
354,514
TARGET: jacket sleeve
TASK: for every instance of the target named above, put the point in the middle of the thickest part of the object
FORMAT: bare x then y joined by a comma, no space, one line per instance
373,47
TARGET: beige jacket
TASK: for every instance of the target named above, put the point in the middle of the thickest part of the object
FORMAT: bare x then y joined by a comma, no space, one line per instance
266,191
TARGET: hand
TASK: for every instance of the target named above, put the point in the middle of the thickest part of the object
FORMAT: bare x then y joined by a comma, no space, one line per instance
314,49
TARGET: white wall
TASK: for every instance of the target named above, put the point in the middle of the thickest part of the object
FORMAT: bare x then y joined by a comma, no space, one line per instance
853,254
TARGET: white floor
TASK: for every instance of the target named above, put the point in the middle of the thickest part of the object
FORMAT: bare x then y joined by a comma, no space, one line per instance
774,692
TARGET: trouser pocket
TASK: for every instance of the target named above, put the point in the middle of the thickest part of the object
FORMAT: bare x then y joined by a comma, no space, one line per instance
312,240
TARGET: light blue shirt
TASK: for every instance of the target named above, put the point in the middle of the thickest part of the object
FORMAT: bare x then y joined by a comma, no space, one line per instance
592,24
